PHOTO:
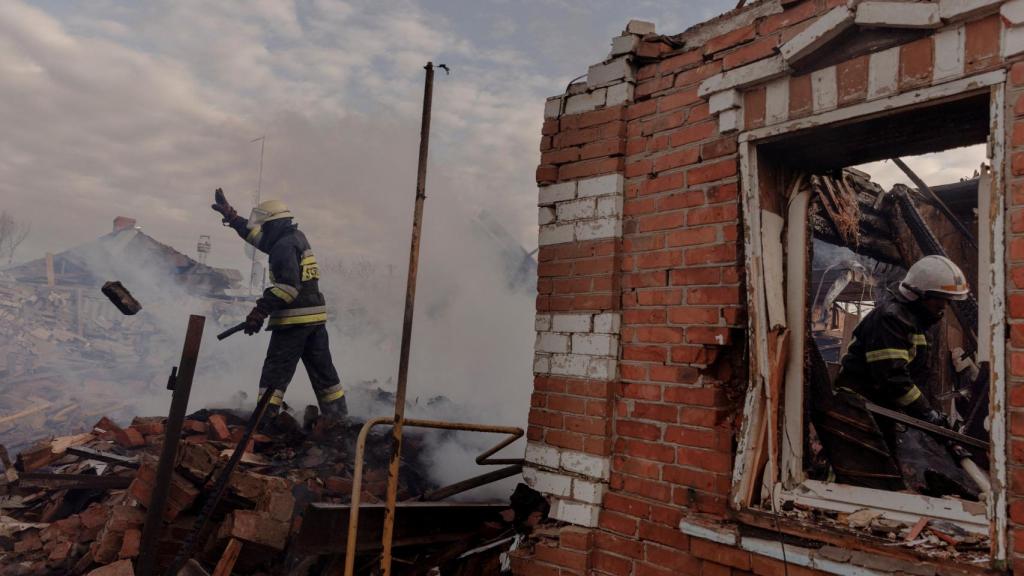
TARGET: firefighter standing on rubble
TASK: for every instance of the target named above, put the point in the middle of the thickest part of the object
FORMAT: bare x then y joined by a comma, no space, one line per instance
293,303
889,343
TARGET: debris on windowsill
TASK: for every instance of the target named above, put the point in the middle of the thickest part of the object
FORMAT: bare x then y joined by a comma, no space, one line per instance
930,539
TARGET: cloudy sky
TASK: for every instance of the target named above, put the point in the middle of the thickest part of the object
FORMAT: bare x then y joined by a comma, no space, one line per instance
143,108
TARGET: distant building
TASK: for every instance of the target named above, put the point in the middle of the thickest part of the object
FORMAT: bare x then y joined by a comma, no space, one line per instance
125,253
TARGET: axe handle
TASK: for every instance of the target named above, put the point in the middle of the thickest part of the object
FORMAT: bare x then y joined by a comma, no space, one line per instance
927,427
236,328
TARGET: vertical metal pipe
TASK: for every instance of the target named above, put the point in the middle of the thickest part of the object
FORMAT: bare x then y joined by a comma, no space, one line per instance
357,494
410,298
172,432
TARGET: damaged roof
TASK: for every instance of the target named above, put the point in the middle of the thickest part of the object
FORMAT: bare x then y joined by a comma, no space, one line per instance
126,252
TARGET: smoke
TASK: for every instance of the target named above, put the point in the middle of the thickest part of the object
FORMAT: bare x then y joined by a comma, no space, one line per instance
472,341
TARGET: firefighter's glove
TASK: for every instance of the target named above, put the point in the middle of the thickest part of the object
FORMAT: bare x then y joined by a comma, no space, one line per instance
935,417
959,451
254,321
221,206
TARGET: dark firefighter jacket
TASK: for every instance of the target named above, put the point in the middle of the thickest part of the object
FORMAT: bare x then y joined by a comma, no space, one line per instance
294,297
888,347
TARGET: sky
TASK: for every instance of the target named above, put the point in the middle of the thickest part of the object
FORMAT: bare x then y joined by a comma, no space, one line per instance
143,108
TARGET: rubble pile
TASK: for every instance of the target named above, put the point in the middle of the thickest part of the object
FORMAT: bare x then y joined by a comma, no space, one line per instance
77,504
58,346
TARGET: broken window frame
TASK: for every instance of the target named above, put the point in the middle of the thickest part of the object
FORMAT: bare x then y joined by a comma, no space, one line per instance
766,264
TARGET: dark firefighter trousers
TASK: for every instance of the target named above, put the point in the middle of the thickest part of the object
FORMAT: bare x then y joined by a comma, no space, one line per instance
287,347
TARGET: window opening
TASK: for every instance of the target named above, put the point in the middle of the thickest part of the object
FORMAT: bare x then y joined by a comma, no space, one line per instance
865,462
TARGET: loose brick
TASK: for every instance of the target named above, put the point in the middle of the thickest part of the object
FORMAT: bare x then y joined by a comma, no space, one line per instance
130,543
129,437
218,428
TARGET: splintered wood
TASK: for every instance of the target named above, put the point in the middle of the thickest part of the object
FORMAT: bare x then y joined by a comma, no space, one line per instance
840,202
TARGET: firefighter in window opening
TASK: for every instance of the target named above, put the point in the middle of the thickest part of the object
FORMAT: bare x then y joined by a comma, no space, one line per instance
887,341
293,303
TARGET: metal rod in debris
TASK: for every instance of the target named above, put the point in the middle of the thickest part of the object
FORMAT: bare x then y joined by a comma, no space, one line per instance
484,459
410,299
172,432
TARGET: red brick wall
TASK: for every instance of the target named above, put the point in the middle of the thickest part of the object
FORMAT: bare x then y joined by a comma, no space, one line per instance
669,421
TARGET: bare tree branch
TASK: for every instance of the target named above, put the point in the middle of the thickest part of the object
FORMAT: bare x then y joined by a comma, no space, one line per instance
12,233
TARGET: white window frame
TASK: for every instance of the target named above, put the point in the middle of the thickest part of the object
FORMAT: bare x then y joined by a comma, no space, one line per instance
764,261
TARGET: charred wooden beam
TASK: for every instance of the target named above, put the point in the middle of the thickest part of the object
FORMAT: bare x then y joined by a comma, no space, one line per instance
72,481
108,457
966,310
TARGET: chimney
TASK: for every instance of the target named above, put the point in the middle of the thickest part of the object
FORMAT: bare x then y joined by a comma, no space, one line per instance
123,223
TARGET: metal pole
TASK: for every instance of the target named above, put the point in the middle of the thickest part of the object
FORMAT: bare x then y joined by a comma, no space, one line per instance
172,432
259,184
410,298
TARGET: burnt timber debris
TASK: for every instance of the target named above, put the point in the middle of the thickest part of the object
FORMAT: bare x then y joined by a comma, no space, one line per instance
864,237
74,504
120,296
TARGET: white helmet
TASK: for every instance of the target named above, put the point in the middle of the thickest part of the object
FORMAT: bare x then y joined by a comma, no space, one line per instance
268,210
934,277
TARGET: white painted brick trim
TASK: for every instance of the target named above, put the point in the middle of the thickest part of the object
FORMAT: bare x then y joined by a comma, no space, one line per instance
776,101
542,455
579,210
949,54
577,513
614,71
883,72
729,121
824,89
571,322
898,14
717,534
822,31
950,10
724,100
744,76
586,465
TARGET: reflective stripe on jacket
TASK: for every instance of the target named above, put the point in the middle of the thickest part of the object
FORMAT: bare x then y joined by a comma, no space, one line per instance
888,345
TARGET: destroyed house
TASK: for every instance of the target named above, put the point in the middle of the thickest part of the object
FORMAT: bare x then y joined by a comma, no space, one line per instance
123,253
709,239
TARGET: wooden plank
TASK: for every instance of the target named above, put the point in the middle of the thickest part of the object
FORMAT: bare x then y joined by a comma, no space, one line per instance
899,506
39,407
72,481
227,561
774,284
798,276
778,346
751,432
